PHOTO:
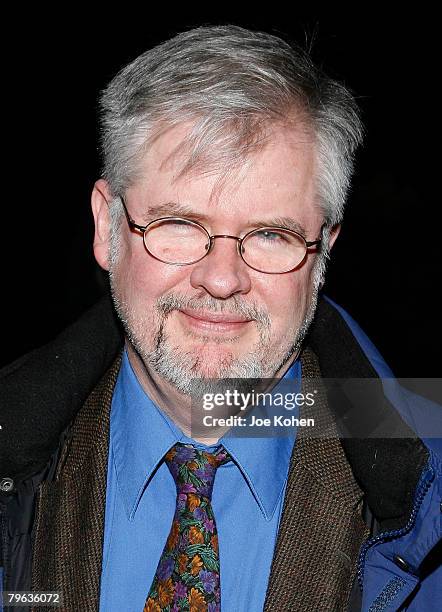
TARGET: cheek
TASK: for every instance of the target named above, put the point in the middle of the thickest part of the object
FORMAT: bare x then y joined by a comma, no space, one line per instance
288,299
141,279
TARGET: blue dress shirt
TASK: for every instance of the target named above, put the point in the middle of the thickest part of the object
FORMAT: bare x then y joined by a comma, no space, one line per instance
140,503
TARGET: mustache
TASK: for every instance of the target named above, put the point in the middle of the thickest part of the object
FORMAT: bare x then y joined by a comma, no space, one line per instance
234,305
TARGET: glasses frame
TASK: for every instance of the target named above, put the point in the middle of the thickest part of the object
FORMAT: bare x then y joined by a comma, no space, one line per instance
211,239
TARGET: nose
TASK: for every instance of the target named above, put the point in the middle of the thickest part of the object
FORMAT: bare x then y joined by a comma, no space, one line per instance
222,273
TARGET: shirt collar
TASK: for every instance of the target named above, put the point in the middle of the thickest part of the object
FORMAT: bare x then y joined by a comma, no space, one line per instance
141,434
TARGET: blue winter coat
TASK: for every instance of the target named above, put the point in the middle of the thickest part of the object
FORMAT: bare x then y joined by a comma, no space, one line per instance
392,570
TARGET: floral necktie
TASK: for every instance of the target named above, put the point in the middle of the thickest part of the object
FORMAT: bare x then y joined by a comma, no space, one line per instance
187,576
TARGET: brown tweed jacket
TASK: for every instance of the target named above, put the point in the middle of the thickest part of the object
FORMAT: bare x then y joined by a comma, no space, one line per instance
320,533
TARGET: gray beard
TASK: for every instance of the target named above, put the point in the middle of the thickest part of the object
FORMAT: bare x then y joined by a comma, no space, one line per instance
185,370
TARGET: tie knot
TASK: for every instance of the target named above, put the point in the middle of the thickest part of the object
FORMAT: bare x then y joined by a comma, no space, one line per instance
194,469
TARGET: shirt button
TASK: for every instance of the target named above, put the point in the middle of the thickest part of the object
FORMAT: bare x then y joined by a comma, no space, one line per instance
6,485
401,563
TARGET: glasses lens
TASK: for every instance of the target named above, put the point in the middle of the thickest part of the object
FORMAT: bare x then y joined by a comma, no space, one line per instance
272,250
176,241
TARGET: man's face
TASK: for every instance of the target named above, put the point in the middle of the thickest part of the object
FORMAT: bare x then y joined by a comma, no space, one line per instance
217,317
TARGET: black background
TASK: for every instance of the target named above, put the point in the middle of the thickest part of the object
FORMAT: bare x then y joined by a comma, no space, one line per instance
385,269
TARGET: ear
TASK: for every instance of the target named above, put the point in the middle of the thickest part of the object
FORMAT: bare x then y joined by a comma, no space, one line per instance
100,209
334,233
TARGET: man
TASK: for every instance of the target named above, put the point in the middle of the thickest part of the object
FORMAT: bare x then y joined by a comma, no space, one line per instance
227,159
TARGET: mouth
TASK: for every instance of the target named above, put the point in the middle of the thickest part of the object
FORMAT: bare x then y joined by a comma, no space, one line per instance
214,322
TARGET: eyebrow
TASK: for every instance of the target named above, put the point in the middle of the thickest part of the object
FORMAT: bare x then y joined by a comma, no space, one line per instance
173,209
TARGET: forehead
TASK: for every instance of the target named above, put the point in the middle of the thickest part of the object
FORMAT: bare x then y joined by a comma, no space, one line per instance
277,177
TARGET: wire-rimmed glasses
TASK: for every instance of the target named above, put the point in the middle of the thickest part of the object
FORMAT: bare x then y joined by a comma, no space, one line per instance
179,241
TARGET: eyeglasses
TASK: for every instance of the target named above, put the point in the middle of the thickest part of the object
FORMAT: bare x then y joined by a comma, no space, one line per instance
181,242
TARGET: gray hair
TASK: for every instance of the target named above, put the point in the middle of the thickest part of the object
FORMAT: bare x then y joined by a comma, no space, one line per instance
230,84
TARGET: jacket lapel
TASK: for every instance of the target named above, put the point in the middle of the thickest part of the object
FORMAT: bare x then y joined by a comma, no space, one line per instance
69,524
321,527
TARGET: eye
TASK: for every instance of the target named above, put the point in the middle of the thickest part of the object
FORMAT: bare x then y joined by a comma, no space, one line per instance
270,236
178,226
178,222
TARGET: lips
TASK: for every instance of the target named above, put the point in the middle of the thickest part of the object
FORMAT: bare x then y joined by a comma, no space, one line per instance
215,317
221,324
